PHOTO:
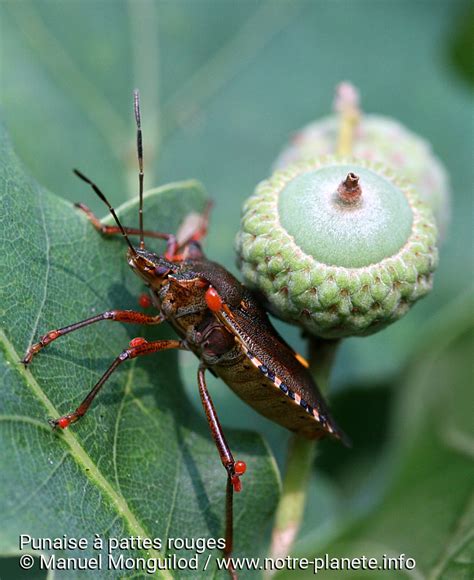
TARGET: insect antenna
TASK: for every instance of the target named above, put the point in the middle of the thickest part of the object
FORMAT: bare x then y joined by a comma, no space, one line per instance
107,203
136,106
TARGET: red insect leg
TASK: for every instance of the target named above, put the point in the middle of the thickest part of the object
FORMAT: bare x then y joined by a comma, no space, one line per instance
127,316
139,349
233,481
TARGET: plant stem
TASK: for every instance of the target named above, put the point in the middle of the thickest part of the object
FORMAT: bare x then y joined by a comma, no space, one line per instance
301,453
293,499
321,359
347,105
346,133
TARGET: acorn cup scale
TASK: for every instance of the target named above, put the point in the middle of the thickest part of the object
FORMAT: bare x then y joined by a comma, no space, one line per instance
337,245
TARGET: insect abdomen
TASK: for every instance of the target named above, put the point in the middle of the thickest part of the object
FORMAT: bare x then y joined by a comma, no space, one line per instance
260,388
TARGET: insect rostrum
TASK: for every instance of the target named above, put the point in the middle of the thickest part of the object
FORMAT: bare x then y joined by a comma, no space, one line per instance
221,322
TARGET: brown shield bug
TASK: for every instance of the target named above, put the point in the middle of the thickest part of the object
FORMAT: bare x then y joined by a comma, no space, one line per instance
220,321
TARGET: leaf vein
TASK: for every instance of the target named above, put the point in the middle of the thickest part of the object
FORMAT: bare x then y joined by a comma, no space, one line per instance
126,391
79,454
48,266
19,507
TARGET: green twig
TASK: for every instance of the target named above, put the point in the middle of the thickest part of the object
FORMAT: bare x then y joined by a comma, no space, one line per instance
293,499
301,453
321,359
346,104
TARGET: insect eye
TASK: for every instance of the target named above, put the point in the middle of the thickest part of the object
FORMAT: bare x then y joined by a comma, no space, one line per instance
161,270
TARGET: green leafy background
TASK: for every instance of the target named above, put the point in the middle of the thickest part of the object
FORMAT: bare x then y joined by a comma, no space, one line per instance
223,84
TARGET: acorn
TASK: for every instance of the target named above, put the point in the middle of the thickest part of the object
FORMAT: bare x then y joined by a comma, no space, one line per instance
338,245
376,138
343,245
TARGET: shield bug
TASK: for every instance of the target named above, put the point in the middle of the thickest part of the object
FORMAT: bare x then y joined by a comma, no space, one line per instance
220,321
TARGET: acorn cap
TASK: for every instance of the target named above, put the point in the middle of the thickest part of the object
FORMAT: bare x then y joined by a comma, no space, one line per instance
381,139
338,245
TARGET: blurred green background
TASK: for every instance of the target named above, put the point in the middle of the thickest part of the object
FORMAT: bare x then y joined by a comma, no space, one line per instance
223,86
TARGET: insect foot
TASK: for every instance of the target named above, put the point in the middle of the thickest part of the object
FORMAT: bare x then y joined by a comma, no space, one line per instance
35,348
240,468
63,422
